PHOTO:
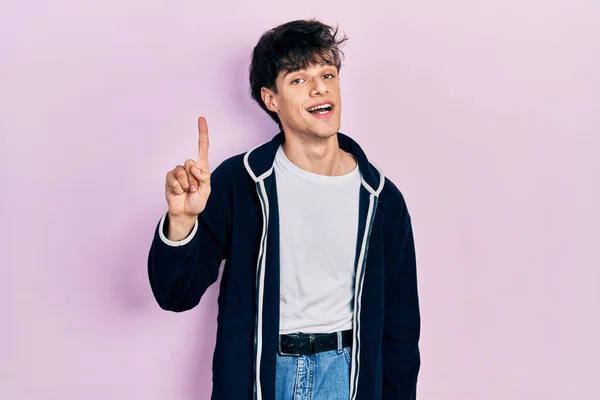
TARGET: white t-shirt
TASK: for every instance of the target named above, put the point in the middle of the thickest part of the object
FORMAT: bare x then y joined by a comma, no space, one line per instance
318,223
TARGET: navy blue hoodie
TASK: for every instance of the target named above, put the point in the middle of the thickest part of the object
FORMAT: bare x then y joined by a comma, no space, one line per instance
240,225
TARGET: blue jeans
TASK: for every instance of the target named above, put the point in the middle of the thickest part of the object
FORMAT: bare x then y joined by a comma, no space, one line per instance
321,376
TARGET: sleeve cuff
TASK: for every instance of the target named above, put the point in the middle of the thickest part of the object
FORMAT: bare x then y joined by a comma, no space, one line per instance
173,243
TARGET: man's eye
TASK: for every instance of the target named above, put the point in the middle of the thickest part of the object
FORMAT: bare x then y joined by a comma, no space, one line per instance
297,81
329,76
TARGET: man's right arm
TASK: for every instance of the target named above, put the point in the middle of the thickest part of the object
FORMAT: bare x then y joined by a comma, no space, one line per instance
190,240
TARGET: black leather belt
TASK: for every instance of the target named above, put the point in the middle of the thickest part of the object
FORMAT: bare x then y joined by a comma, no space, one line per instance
299,344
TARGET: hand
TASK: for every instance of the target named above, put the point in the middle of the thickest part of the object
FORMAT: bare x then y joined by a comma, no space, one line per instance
188,186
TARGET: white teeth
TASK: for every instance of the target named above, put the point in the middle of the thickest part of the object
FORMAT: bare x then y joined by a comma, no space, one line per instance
320,107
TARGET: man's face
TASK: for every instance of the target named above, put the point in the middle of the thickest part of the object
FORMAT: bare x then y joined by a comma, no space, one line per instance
298,93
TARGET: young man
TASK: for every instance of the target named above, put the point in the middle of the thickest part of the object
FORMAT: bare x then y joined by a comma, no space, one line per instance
318,298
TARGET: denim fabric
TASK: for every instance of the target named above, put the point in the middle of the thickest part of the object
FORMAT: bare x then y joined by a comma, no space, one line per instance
321,376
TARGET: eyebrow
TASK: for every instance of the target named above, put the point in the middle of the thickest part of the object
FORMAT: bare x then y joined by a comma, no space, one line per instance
323,65
290,72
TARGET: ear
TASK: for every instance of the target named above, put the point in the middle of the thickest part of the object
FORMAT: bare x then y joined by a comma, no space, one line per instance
268,97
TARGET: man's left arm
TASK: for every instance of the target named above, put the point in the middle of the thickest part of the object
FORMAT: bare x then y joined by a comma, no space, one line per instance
402,321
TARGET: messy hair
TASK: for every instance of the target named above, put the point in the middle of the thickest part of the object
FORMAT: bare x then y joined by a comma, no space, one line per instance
291,47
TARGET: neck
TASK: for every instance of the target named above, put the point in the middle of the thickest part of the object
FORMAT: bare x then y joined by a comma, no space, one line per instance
319,155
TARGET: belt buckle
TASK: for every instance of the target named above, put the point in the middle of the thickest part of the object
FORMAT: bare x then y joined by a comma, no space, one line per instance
282,353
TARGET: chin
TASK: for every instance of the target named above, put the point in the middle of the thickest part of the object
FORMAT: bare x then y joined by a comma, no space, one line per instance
320,130
326,130
328,133
332,131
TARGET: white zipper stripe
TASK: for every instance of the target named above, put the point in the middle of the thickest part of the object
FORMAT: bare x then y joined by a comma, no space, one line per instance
260,284
359,280
260,270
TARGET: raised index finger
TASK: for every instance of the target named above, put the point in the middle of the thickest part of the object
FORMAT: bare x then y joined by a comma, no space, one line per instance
202,143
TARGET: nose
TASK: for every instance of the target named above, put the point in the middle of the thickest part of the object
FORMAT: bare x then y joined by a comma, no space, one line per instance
319,88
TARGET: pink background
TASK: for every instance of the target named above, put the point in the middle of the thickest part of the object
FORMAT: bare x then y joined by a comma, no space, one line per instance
485,114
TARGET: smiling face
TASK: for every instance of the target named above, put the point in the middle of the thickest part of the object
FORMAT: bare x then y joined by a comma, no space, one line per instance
307,101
